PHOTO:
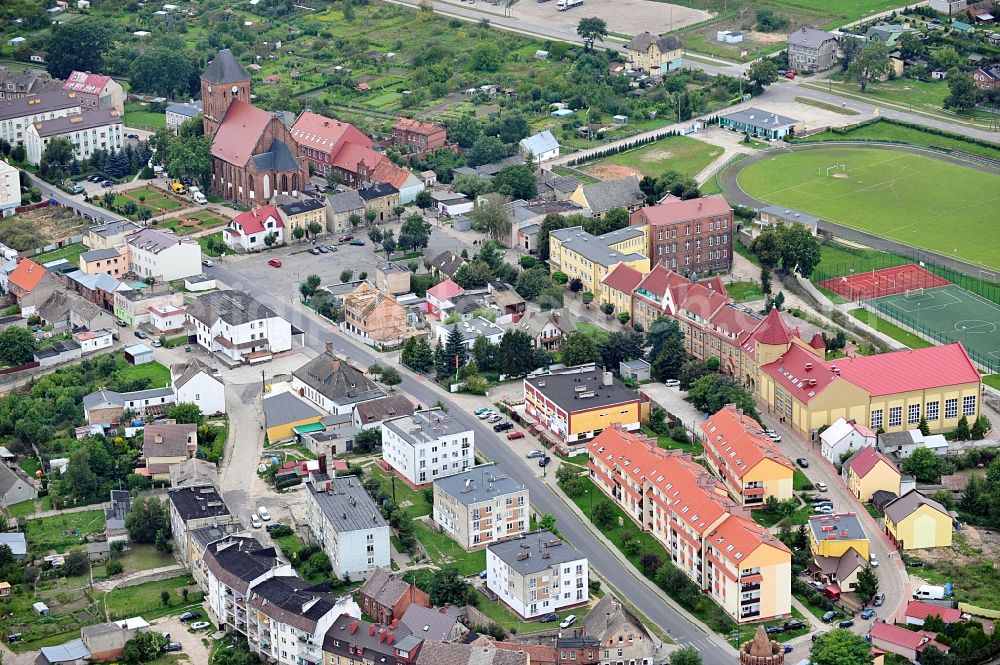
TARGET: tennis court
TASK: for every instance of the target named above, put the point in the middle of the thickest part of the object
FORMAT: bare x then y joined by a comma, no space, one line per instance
883,282
948,314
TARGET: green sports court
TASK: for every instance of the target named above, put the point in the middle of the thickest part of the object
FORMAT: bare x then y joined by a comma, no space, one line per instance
948,314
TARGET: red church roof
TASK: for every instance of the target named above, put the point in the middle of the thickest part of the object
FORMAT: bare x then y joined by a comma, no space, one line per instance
910,370
239,132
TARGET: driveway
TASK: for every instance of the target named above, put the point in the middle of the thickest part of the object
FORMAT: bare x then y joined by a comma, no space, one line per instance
194,648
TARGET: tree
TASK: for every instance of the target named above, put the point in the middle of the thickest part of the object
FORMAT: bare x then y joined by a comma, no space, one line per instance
309,287
114,567
871,64
962,91
517,182
298,233
454,348
531,283
762,74
78,45
711,393
962,429
375,235
551,222
423,199
190,156
148,517
161,543
270,239
587,298
315,228
447,586
603,514
389,245
840,647
575,285
473,275
616,218
391,378
346,275
17,346
867,585
979,429
486,150
799,250
185,413
490,217
578,349
76,564
486,57
368,441
591,29
608,309
59,152
515,355
624,317
414,233
924,428
146,646
685,656
849,48
161,71
547,522
668,362
923,465
464,130
767,247
621,345
509,127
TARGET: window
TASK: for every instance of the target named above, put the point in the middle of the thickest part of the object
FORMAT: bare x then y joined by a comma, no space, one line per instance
932,410
951,408
876,419
895,416
969,405
913,414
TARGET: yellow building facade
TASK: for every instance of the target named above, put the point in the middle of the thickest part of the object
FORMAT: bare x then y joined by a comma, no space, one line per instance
833,535
914,521
868,471
591,258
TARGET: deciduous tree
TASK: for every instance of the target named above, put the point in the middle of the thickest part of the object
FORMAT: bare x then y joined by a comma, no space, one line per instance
591,29
872,64
840,647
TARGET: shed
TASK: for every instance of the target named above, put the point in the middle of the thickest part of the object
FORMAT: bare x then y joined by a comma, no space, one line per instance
41,609
637,369
99,552
138,354
620,119
561,113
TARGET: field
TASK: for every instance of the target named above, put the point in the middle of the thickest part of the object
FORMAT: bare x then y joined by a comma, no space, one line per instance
889,131
137,117
676,153
60,532
889,328
37,228
925,97
155,199
145,600
70,252
915,200
193,223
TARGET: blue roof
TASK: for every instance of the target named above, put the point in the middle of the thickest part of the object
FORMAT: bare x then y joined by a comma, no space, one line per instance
68,652
15,541
540,144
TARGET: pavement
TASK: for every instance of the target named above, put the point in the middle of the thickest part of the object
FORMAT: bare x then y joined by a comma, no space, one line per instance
194,647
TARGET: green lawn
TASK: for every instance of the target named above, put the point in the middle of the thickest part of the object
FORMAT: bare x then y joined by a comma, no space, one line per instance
668,443
145,599
598,333
145,120
506,619
799,516
144,557
57,531
30,465
916,200
414,502
158,375
890,131
70,252
744,291
918,96
992,380
203,241
977,583
800,482
676,153
888,328
445,552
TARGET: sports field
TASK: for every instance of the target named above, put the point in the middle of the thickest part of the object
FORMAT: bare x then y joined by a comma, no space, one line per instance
919,201
676,153
949,314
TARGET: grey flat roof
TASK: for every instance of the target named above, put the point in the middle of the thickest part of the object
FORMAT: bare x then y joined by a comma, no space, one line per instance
790,214
758,118
100,254
287,407
595,248
534,544
846,526
347,505
472,329
561,389
419,428
74,123
484,483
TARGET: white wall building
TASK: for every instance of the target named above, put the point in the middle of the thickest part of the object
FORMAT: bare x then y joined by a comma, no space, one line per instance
347,524
194,383
94,340
163,255
247,231
541,147
180,112
428,445
17,114
88,132
232,565
470,330
537,574
234,325
165,318
845,436
10,189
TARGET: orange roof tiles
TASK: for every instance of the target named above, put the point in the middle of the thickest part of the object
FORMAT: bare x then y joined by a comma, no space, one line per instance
865,460
623,278
26,275
325,134
388,172
737,538
740,440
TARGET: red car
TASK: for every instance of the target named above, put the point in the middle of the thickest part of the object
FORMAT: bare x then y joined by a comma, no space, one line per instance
790,75
274,263
514,435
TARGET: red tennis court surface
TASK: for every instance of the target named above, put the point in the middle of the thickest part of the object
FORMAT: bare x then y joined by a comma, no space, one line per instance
884,282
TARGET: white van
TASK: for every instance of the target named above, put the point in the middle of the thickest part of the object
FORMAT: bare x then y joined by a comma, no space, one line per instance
929,592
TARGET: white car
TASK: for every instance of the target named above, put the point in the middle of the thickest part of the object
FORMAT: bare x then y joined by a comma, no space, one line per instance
264,515
568,621
486,414
672,383
821,487
255,522
874,562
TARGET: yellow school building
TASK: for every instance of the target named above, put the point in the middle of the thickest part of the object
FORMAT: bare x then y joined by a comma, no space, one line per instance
591,258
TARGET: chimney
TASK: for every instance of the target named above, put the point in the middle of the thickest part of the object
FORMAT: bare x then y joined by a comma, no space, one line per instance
354,627
809,367
608,378
371,629
329,487
158,438
322,463
329,348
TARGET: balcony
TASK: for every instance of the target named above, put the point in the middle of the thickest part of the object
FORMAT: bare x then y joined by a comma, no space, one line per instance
746,588
749,601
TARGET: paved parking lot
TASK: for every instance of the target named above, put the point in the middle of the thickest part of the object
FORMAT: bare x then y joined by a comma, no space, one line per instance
194,648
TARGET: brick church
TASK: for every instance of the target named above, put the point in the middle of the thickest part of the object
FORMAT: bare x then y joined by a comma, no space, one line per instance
254,155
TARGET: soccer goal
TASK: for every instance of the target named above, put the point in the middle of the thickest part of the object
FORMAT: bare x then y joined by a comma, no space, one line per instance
913,293
836,168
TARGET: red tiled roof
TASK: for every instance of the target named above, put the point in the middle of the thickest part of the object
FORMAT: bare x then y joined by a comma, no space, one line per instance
817,342
351,155
910,370
740,441
733,322
660,279
321,133
697,299
790,370
388,172
417,127
908,639
86,83
772,329
239,132
252,221
26,275
918,610
445,290
865,460
716,284
623,278
737,537
672,212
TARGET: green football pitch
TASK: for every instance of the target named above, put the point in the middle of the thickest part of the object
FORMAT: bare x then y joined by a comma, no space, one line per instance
949,314
918,201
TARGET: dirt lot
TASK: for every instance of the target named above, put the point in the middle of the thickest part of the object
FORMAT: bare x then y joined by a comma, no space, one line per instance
623,16
40,227
611,171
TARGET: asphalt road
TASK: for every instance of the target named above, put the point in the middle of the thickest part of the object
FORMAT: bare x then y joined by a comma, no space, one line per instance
72,201
543,500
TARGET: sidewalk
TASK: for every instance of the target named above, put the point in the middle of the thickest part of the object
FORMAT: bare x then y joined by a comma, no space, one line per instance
109,585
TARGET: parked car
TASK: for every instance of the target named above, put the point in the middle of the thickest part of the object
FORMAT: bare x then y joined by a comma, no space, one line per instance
846,623
188,616
803,462
140,334
829,616
486,414
495,418
264,514
544,462
255,522
774,437
200,625
314,251
568,621
821,487
672,383
358,242
274,263
481,410
794,624
94,178
824,510
173,646
774,630
78,189
332,248
107,183
17,637
879,599
516,435
533,453
551,616
868,614
156,343
789,75
321,249
503,427
788,648
818,635
120,323
873,561
345,238
207,263
482,575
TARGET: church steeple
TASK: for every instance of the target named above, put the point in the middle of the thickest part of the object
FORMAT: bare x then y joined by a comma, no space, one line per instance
223,81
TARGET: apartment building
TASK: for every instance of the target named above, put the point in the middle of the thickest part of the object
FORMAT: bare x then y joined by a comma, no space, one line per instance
428,445
234,325
418,136
232,565
813,50
167,444
481,506
385,596
833,535
10,189
590,258
695,235
321,141
191,508
333,384
288,617
347,524
88,132
351,641
19,113
749,463
537,574
163,255
133,305
733,560
577,404
112,261
299,212
97,91
180,112
16,84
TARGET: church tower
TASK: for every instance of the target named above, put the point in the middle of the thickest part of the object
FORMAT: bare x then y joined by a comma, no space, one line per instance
224,80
